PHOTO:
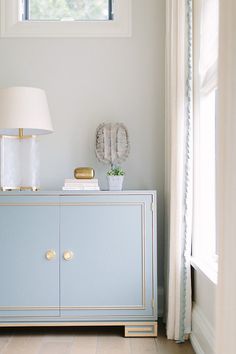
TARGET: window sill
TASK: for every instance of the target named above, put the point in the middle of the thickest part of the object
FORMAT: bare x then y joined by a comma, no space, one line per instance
210,270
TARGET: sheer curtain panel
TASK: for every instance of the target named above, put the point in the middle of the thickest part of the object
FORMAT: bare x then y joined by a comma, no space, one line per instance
178,166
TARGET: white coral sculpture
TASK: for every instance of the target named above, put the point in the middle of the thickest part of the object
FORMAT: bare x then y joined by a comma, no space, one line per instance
112,143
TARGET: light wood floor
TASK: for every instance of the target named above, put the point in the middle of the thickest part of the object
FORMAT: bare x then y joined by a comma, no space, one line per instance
95,340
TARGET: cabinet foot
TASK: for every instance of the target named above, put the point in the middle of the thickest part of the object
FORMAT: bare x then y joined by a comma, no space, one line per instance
141,330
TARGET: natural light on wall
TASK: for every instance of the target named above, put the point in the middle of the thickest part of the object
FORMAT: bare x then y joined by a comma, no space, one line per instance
205,111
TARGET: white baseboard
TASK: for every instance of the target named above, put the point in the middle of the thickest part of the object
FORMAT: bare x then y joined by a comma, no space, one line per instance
202,336
160,301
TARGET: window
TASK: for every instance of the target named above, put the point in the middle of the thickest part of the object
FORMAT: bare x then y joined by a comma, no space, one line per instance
65,18
72,10
205,112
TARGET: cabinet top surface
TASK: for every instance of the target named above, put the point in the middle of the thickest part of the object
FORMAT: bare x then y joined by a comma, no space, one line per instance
75,193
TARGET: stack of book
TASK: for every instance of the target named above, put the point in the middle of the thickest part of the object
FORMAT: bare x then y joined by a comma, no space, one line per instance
81,185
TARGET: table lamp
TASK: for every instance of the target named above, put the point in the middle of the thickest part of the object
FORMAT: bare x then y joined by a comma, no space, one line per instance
24,114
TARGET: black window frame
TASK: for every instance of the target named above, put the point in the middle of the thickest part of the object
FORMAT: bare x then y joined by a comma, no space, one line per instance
25,16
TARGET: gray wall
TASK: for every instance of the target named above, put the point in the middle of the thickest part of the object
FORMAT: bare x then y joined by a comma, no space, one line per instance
89,81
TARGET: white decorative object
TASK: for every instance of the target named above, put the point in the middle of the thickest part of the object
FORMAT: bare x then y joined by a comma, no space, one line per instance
24,114
112,143
115,183
19,162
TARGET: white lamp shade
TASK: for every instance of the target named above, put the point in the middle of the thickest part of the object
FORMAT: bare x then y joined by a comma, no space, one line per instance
24,107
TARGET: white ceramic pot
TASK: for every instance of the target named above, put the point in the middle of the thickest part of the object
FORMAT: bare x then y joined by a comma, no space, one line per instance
115,183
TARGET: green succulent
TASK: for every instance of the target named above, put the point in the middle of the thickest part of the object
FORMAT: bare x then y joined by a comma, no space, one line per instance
116,171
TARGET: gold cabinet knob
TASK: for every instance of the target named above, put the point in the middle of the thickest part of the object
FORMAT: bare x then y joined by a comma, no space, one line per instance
50,255
68,255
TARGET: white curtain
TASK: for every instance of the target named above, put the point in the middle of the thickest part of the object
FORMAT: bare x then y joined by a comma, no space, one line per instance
226,181
178,166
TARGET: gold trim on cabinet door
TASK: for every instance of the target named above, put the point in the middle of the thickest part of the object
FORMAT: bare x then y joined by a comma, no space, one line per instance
29,204
127,307
143,221
143,233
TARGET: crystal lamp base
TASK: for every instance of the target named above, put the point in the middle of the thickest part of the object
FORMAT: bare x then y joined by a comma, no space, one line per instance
19,163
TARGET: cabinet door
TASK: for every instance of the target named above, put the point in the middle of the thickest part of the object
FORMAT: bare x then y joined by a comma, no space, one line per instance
29,283
110,270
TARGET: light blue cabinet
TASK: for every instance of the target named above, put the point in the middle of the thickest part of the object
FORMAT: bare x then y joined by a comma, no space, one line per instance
79,259
29,284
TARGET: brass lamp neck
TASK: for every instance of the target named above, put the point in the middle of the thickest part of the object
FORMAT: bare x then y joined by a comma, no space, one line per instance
21,133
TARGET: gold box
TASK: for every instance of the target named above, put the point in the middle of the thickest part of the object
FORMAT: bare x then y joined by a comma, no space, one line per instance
84,173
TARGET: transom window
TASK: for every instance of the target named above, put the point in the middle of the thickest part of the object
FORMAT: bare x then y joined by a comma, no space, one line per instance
67,10
65,18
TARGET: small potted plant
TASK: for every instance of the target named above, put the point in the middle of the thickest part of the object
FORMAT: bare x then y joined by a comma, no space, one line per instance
115,177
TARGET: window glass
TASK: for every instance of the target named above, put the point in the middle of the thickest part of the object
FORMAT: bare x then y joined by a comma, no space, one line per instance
67,10
205,112
205,175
